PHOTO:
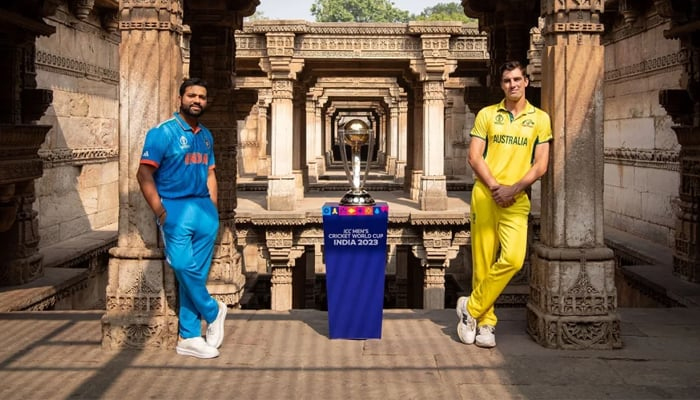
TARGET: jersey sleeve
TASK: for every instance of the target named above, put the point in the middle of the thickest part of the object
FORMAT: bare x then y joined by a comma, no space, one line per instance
153,148
545,129
481,125
210,149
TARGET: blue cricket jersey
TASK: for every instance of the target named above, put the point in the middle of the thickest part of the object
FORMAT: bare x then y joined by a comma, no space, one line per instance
182,158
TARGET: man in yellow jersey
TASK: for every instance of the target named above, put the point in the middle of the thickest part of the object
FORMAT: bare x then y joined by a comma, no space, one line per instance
509,150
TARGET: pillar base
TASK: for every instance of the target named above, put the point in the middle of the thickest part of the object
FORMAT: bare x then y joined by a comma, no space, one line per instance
281,193
433,193
573,299
123,330
574,332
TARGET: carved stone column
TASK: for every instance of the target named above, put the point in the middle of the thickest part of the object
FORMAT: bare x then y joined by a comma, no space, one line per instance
573,300
683,105
435,254
281,255
507,24
281,69
20,138
321,134
414,163
141,295
264,100
402,137
433,70
311,137
393,138
212,59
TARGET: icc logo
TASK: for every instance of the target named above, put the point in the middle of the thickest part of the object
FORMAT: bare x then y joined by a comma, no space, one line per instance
183,143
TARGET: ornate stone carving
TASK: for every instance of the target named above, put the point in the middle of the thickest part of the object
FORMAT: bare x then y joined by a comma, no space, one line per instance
658,159
651,65
73,67
684,108
139,15
56,157
82,8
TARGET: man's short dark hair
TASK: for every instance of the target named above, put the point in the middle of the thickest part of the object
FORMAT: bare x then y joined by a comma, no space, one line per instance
192,82
509,66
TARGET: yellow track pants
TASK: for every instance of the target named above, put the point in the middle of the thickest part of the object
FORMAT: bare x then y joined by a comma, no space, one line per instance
495,228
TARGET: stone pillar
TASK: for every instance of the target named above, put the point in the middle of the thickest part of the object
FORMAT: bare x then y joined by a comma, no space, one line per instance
433,185
435,254
381,131
281,255
402,137
573,300
20,139
414,163
683,105
141,295
298,140
311,137
212,59
393,137
328,131
264,100
322,142
279,65
433,70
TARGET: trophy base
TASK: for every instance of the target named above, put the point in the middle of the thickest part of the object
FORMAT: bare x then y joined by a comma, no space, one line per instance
359,198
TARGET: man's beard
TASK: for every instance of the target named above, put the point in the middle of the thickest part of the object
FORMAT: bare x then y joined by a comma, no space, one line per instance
187,111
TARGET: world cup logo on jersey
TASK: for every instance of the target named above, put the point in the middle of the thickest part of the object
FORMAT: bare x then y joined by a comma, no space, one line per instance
183,143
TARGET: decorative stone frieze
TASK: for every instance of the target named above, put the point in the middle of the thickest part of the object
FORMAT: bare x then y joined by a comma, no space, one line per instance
657,159
54,157
664,62
72,67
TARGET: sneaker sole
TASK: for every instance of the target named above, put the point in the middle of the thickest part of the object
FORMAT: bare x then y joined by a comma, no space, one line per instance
485,345
192,353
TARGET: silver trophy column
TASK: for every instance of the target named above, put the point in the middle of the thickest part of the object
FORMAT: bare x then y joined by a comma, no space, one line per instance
356,133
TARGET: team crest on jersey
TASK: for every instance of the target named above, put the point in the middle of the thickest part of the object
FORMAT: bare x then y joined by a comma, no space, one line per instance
183,143
206,142
498,120
528,123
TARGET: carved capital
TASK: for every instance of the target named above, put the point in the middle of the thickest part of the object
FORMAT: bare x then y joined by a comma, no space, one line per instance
577,20
138,15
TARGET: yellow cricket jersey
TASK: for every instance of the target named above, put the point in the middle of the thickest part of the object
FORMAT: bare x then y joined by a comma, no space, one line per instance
510,145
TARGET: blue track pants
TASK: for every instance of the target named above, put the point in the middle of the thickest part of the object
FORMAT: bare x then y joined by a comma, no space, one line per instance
189,233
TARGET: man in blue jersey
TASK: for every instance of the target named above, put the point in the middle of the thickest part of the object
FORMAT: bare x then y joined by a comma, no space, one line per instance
177,179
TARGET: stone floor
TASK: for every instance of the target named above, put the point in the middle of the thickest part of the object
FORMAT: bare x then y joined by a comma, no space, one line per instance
288,355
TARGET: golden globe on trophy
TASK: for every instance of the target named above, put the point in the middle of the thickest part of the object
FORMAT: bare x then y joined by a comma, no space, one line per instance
356,133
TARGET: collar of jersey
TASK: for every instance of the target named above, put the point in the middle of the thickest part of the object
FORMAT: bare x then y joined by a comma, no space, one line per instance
183,124
529,108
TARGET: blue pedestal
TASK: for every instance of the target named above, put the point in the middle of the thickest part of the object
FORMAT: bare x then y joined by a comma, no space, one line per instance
354,240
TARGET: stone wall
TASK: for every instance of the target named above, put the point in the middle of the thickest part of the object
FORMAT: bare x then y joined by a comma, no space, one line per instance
641,149
80,64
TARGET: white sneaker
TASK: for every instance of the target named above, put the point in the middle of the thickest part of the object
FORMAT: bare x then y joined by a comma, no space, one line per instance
466,327
196,347
215,330
486,337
